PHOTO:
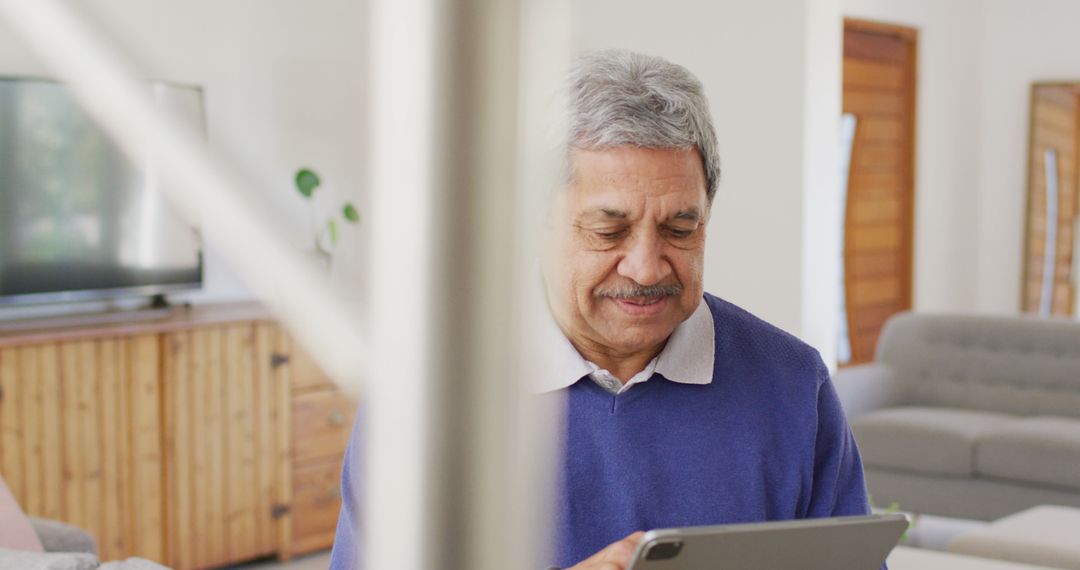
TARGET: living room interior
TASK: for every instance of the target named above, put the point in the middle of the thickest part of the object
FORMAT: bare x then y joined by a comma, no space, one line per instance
899,189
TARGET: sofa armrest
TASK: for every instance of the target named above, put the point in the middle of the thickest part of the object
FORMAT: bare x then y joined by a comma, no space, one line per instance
865,388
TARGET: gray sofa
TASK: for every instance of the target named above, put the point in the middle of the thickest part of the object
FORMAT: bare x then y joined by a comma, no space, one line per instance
66,548
969,416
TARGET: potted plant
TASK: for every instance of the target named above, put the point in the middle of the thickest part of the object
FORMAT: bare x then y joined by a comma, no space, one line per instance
325,234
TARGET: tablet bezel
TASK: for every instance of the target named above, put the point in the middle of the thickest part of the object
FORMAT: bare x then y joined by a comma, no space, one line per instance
882,527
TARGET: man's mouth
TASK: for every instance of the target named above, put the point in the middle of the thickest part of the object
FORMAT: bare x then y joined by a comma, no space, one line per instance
643,301
641,306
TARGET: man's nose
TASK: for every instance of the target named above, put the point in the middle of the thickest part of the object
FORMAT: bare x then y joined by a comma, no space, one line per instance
645,262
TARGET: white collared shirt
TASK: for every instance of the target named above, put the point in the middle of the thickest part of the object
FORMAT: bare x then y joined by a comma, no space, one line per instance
687,358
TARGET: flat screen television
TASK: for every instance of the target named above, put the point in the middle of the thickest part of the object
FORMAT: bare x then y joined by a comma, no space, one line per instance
78,219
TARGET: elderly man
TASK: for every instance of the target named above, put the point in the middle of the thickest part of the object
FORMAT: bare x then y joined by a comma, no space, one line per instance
682,409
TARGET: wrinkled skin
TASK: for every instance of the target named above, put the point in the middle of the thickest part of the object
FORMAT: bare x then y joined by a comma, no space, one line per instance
627,252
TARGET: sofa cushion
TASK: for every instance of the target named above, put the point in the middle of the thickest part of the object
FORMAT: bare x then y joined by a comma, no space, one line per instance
1027,366
26,560
938,441
1041,450
16,531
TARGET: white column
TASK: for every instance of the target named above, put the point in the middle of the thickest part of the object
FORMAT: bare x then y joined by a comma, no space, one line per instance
821,197
445,489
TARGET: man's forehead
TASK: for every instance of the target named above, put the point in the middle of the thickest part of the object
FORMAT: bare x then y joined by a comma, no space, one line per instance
614,178
627,175
605,212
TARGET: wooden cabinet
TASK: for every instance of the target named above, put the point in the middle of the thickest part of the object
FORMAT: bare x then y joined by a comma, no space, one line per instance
197,441
222,413
80,438
322,420
316,502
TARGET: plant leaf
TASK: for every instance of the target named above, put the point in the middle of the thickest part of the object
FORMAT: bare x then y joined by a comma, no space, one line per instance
350,212
331,231
307,181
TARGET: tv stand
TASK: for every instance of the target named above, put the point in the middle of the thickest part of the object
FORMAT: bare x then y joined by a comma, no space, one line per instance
120,321
159,301
114,317
202,440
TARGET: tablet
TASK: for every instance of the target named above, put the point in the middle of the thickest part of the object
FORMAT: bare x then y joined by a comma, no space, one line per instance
844,543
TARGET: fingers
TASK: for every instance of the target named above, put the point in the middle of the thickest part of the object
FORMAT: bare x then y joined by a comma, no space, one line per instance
615,556
618,554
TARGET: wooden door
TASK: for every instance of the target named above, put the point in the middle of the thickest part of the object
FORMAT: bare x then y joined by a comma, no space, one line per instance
226,405
879,89
1055,126
80,438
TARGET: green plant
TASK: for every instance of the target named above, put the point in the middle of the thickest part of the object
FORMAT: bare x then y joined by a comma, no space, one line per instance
307,182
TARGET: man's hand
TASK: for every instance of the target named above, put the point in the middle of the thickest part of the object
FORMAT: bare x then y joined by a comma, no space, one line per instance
613,557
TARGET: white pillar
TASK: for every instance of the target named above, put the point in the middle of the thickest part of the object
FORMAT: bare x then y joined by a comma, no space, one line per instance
821,196
445,487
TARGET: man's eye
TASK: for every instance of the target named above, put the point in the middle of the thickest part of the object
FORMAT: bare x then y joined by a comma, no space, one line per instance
677,233
614,234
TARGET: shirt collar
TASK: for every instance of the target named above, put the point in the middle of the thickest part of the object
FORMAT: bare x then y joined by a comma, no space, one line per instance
687,358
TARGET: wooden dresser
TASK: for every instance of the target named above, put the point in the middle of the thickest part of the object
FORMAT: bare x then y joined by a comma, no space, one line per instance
197,440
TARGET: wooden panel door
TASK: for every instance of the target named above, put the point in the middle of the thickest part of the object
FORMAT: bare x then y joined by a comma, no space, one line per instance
225,405
80,438
1055,125
879,89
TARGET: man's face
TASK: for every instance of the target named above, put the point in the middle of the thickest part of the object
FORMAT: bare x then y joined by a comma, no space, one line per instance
628,247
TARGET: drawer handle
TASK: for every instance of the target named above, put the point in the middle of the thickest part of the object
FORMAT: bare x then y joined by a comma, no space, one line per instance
336,418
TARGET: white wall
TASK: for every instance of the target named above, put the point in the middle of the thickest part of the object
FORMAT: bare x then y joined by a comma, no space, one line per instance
750,56
822,204
1022,42
284,88
977,61
947,185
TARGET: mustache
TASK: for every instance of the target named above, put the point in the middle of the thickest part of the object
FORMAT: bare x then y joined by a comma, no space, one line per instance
639,291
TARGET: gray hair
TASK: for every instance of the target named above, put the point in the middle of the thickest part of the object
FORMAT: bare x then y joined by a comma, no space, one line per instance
619,98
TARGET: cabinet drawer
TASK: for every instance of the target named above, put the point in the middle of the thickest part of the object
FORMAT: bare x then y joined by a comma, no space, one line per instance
306,374
322,422
315,504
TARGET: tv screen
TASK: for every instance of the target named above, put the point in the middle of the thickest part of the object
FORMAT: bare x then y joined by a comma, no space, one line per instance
78,219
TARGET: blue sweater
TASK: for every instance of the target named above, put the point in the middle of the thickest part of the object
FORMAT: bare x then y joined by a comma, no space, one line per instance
766,440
